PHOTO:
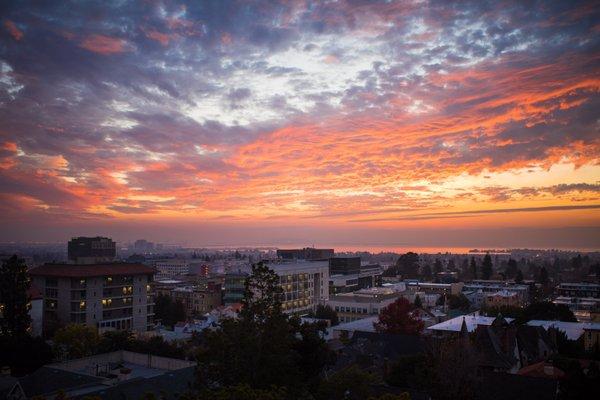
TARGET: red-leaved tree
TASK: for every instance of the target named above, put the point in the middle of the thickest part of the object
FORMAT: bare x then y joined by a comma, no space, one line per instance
397,318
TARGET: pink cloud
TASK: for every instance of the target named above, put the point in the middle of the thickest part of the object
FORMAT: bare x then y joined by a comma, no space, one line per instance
15,32
104,45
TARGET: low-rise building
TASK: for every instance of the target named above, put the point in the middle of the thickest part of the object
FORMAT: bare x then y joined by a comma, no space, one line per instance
362,303
581,289
198,299
502,298
491,287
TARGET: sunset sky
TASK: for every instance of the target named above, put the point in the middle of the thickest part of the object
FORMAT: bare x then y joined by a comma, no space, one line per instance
336,123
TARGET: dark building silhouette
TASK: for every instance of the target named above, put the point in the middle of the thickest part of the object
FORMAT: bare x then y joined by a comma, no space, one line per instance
307,253
89,250
344,265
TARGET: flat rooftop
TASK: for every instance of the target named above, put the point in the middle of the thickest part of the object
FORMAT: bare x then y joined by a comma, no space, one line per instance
292,266
90,270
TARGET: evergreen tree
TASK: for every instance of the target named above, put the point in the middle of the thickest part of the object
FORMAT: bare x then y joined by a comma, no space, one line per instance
426,273
519,277
511,269
437,266
543,276
486,267
473,267
418,303
14,301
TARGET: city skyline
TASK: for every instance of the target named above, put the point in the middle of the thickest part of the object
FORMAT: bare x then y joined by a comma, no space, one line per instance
230,123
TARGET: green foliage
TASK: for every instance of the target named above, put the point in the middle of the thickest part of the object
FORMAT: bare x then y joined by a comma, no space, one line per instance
326,312
263,348
169,312
418,303
155,345
351,383
473,268
241,392
76,341
407,265
458,302
409,372
14,301
486,267
519,277
24,354
511,269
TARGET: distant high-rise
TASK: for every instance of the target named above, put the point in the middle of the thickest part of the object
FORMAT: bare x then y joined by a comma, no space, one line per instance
91,250
143,246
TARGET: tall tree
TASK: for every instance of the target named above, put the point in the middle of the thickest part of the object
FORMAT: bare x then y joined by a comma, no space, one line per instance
426,273
398,318
418,303
519,277
473,268
264,347
486,267
14,302
437,266
326,312
408,265
543,276
511,268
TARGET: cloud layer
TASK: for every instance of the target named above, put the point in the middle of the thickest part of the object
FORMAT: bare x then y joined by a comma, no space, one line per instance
386,114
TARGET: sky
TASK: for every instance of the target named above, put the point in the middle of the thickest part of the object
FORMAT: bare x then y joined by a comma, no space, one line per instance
424,123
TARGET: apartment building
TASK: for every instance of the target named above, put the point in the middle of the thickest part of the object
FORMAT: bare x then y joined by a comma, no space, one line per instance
198,299
115,296
481,289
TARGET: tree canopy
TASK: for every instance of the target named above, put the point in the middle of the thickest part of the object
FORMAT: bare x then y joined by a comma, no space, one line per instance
398,318
263,348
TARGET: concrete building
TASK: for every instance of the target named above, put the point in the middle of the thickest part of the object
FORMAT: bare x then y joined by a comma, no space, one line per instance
305,284
234,287
345,276
582,307
91,250
580,289
107,296
169,269
434,288
362,303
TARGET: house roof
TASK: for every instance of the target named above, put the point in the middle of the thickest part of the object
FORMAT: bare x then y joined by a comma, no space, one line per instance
573,330
542,370
48,380
90,270
169,386
472,321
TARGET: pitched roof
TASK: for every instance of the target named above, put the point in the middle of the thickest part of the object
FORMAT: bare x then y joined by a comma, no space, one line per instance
90,270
